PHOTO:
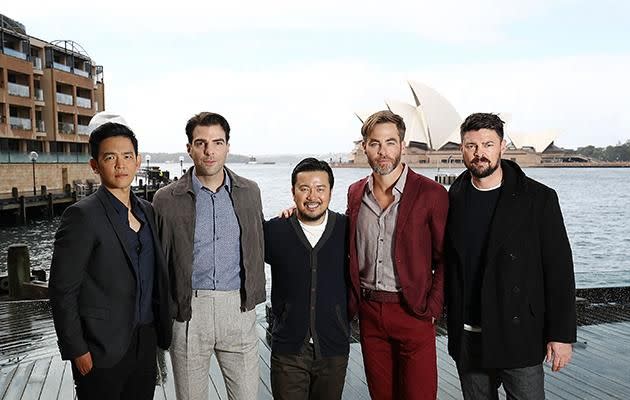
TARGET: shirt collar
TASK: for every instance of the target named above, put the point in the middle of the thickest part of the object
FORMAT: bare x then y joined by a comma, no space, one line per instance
119,207
197,185
400,183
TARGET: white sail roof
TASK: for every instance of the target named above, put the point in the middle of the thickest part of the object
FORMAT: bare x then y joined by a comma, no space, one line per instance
416,128
440,115
539,141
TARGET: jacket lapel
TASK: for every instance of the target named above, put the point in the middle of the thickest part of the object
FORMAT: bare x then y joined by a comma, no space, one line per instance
510,207
112,215
409,197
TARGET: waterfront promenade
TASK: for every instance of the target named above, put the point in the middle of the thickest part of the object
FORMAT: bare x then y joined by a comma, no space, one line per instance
30,366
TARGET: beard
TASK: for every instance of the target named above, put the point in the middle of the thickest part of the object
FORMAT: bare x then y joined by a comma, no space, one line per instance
479,170
386,169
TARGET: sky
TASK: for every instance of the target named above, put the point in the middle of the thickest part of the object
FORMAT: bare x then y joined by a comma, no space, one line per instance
289,75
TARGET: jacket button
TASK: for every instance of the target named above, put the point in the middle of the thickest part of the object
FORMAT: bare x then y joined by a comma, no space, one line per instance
516,290
516,320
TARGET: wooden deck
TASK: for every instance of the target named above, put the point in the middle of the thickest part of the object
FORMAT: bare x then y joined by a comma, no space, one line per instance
30,366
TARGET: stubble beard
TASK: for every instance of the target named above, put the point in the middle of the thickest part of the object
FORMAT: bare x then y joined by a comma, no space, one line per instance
385,170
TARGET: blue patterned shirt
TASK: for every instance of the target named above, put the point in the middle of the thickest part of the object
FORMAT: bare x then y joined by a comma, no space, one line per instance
217,242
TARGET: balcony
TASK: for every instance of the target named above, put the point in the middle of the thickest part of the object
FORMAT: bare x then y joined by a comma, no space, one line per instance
83,129
37,63
63,98
66,127
81,72
39,94
62,67
15,89
20,123
40,126
83,102
13,53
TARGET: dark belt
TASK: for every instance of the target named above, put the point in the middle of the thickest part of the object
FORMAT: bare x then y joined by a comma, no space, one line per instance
380,296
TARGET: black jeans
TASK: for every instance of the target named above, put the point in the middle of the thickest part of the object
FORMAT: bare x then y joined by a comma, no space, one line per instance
525,383
303,377
133,377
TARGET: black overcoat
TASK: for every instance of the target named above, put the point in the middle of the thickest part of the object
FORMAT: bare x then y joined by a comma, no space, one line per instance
528,287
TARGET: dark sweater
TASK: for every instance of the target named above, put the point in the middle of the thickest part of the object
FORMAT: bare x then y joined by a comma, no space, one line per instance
308,287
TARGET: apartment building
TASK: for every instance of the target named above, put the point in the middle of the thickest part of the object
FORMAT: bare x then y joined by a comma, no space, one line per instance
48,93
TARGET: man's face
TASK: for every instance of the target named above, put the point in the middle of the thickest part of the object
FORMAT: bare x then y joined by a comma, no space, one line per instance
208,150
383,148
311,194
482,151
117,162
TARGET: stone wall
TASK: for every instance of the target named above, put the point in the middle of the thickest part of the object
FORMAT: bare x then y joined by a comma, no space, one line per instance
50,175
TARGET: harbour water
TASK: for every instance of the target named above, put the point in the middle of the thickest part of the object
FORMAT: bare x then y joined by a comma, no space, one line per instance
595,203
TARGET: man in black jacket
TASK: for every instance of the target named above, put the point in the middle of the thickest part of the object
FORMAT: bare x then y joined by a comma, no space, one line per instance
108,279
510,288
308,257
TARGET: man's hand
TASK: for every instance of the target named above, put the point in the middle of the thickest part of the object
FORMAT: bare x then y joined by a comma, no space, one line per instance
84,363
559,355
287,212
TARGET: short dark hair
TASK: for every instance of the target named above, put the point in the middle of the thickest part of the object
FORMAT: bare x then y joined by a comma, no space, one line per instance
477,121
207,119
382,117
312,164
107,130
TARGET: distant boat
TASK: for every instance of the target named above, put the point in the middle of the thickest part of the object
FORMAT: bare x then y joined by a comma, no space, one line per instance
268,162
252,160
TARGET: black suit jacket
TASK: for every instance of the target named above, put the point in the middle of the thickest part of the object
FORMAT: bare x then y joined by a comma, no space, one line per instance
528,287
92,284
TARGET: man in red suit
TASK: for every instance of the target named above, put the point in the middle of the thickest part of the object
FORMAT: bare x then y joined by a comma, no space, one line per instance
397,220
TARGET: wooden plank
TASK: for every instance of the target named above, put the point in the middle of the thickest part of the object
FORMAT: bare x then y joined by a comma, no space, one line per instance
66,389
36,381
19,381
51,386
6,375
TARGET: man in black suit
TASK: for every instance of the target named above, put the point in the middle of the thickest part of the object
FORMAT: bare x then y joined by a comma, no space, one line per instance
108,280
510,289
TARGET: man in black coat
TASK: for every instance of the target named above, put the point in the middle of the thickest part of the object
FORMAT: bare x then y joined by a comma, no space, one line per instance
108,280
510,288
308,256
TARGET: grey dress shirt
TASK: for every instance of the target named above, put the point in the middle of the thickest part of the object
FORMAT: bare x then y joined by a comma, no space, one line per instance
376,229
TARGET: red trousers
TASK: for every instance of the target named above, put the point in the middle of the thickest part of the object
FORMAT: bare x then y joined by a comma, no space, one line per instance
398,352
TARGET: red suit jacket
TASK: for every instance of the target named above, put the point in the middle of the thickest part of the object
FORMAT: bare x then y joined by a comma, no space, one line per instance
419,239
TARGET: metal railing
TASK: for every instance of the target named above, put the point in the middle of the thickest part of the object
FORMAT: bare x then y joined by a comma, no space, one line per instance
49,158
62,67
15,89
14,53
66,127
20,123
63,98
39,94
83,129
81,72
37,62
83,102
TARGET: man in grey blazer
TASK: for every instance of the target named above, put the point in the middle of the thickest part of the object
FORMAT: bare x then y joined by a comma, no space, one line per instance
108,280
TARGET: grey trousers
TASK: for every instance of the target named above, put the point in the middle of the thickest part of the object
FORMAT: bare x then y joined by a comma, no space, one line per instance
527,383
217,327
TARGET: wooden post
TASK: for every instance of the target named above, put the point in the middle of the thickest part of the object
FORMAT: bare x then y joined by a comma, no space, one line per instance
19,268
22,216
51,209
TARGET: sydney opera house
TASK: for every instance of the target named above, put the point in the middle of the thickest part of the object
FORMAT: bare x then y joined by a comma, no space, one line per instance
432,137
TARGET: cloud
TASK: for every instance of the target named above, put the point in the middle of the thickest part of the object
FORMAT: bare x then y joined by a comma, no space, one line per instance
308,108
443,21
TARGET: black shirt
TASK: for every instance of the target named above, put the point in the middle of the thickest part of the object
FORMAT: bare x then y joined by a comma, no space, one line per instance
140,247
480,205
